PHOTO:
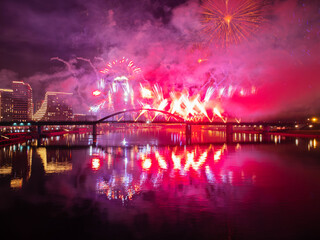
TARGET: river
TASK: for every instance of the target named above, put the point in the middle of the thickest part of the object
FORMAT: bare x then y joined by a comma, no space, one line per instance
147,183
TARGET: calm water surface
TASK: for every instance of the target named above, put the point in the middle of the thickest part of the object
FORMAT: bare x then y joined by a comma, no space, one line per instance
147,184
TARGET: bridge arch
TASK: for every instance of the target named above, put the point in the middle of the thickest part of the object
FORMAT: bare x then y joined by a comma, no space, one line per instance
142,109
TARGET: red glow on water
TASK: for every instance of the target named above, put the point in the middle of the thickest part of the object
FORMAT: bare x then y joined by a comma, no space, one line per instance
176,161
195,164
146,163
162,163
194,160
217,156
190,167
96,163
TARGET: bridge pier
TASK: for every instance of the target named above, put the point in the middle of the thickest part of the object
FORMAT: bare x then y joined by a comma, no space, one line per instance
266,129
94,134
39,130
188,133
39,133
229,132
265,133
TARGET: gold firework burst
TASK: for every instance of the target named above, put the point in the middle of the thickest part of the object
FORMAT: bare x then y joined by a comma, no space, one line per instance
227,22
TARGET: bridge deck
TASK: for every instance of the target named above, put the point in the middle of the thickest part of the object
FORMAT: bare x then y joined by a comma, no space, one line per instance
84,123
178,120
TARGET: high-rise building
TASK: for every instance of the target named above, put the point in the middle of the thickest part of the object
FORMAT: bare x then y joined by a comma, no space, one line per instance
37,106
55,107
6,105
22,101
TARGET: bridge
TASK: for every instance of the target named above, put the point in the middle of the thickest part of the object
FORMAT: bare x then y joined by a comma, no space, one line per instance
170,118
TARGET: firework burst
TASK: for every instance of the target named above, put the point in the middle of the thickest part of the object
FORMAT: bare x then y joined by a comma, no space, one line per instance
114,87
228,22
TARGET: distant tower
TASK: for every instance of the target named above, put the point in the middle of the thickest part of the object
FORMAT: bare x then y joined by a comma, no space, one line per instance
22,101
6,105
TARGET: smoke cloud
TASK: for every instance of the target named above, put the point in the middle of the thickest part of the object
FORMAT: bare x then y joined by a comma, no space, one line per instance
165,39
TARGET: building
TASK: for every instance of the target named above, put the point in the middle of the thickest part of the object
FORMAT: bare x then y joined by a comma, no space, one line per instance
37,106
22,101
55,107
58,108
6,105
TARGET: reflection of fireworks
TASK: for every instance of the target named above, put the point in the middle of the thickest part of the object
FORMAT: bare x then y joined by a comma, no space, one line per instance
182,162
118,187
167,169
230,21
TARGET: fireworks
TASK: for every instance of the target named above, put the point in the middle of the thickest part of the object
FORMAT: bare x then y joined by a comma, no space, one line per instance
231,21
121,88
217,112
96,93
190,108
145,92
123,66
114,87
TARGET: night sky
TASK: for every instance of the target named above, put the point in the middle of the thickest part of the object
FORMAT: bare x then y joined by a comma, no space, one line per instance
281,59
33,31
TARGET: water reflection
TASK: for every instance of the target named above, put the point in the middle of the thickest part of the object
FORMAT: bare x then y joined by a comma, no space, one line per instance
16,162
235,190
172,135
123,171
55,160
161,168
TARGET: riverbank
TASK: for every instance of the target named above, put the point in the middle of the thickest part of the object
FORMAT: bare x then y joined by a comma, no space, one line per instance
14,138
298,133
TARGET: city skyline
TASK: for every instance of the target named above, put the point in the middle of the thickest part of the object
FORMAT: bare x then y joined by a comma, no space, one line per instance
16,105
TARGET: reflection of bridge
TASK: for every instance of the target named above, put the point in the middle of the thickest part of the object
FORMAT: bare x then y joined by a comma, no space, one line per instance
170,118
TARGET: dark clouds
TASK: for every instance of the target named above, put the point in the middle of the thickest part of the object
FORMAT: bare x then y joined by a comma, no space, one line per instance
33,31
282,59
